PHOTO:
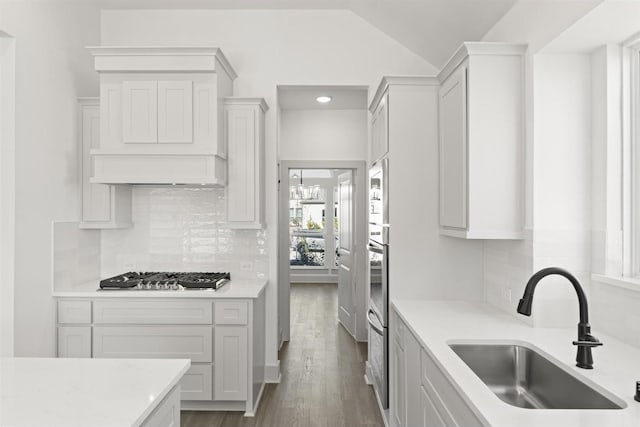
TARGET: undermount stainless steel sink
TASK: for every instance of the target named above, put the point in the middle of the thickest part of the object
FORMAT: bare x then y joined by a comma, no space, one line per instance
523,377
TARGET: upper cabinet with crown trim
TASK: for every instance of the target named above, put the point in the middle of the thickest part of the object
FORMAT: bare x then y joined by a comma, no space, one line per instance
482,131
161,115
245,118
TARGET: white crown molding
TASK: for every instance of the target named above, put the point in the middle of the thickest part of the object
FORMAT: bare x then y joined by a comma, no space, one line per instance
159,58
232,100
479,48
400,81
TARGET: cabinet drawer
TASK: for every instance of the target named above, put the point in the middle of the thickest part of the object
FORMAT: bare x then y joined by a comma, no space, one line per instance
153,342
167,413
197,383
231,312
153,312
70,311
450,404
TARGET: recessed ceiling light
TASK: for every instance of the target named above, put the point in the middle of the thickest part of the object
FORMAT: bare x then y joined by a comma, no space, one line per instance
323,99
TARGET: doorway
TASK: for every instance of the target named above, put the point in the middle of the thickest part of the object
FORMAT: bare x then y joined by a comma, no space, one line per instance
322,236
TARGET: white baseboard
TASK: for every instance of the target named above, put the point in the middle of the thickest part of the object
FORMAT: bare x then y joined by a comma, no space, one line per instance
253,411
272,373
367,373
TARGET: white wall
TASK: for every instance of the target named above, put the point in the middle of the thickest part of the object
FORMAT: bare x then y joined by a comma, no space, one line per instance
52,69
562,181
268,48
7,193
323,134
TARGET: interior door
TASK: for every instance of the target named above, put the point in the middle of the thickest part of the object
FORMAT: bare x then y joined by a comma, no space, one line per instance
346,279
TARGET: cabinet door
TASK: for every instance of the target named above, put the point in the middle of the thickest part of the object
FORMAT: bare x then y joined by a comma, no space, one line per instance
397,385
380,130
167,413
175,112
74,341
196,383
453,150
242,164
140,112
430,415
96,198
230,363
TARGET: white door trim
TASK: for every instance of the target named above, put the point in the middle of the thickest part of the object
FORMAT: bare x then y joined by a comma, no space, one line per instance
7,193
360,229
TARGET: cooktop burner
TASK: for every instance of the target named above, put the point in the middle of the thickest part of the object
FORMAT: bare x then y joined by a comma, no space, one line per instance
165,281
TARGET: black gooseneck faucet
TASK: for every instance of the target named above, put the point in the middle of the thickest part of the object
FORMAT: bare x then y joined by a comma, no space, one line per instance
585,340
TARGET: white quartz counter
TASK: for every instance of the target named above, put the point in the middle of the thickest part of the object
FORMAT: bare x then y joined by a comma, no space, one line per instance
616,365
84,392
233,289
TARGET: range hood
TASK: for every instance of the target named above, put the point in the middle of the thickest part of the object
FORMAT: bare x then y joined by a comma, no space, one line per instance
161,115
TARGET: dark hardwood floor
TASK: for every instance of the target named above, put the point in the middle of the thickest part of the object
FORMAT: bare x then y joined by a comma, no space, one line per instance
322,373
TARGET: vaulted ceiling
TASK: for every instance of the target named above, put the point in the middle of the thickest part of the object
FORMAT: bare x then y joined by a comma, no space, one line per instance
432,29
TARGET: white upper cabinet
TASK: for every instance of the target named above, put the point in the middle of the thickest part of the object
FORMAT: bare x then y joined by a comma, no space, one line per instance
245,162
162,120
175,112
380,129
453,150
102,206
139,112
481,126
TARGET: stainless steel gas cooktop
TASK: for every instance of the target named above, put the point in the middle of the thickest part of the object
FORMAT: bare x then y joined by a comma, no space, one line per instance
165,281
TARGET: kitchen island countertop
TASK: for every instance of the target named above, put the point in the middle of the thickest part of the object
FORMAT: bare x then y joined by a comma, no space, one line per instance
438,323
84,392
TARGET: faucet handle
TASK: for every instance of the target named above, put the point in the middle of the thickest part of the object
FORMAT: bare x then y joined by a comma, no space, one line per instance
587,343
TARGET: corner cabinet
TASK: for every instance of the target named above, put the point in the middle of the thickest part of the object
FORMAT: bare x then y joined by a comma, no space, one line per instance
482,133
223,338
102,205
245,120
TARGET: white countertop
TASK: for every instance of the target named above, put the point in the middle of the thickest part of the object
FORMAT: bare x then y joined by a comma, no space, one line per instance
236,288
616,365
84,392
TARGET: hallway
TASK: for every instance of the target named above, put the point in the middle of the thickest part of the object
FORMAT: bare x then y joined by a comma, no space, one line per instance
322,373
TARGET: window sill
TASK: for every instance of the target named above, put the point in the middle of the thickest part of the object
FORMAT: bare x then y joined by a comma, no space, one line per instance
632,284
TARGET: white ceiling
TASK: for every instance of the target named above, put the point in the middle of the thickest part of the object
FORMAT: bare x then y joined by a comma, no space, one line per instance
304,97
432,29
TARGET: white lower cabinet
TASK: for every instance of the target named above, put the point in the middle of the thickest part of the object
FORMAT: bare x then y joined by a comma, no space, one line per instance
227,365
428,399
430,415
153,342
397,381
74,341
196,384
231,361
167,413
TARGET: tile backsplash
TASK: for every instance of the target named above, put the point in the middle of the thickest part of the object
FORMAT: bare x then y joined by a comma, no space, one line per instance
183,229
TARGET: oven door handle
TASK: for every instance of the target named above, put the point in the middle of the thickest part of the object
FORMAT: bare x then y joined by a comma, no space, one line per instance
379,249
375,327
